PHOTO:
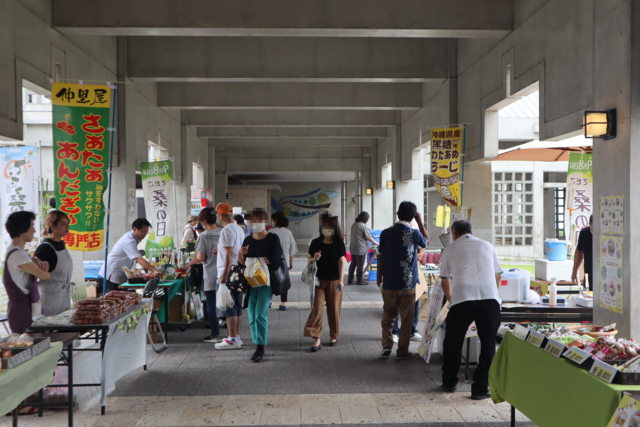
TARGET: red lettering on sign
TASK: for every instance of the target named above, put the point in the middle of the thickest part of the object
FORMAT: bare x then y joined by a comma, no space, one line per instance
92,124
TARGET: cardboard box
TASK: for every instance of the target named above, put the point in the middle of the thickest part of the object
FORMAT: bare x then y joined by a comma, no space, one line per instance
92,292
175,309
424,303
153,338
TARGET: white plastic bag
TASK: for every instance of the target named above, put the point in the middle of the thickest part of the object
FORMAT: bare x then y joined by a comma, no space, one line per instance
224,300
532,297
256,272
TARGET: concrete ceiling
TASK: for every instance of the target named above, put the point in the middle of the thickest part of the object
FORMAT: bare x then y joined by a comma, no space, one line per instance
291,73
263,177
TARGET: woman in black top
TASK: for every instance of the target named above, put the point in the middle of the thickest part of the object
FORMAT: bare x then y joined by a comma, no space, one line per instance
260,244
329,252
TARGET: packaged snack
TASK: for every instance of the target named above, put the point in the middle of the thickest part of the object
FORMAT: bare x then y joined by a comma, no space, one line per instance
7,354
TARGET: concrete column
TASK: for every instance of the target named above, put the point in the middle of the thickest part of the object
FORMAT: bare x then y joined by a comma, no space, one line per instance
382,209
538,211
221,188
412,191
477,195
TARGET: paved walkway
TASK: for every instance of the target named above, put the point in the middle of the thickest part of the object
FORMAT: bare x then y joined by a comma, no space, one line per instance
192,384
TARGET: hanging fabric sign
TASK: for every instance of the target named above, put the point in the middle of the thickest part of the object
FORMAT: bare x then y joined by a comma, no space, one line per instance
579,193
446,162
81,116
160,204
19,183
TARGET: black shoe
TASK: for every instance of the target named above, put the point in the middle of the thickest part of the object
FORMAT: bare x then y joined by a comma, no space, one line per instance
351,283
257,356
315,349
386,352
409,355
486,395
362,283
333,343
448,389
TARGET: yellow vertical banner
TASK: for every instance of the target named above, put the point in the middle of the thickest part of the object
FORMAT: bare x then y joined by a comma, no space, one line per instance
447,163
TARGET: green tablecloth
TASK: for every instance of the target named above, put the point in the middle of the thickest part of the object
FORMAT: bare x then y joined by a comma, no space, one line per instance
20,382
548,390
173,286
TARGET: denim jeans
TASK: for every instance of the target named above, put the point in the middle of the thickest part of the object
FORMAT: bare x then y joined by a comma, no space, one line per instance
212,313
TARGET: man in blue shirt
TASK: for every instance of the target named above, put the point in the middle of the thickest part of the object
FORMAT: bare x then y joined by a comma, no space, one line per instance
398,274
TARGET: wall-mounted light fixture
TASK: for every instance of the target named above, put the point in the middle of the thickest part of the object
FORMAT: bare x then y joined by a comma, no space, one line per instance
600,124
229,196
391,185
369,191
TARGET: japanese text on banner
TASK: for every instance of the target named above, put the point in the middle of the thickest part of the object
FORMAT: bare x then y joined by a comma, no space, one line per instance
447,162
159,203
81,115
579,193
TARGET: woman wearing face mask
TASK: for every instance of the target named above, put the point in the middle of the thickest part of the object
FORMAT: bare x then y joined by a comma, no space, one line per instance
260,244
289,247
55,292
330,254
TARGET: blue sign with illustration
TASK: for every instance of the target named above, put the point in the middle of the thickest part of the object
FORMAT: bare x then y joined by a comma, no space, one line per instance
299,208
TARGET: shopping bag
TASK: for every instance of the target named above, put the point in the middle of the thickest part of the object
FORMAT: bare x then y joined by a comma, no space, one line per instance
256,273
307,274
197,303
224,300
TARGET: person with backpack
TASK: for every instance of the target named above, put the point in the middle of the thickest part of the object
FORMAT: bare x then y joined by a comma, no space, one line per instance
189,232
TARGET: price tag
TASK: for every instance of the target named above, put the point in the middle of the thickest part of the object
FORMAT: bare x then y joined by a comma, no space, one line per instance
535,338
520,332
604,371
555,348
576,355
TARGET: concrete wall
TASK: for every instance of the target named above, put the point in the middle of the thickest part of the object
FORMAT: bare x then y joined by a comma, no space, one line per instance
250,200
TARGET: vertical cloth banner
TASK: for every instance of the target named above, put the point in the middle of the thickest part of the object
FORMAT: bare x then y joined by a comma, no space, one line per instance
81,117
579,193
447,162
159,203
19,183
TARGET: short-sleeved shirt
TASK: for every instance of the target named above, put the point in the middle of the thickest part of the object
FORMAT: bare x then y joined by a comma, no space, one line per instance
21,278
206,243
288,243
232,236
585,244
121,255
189,235
269,248
360,236
399,256
472,265
47,252
330,253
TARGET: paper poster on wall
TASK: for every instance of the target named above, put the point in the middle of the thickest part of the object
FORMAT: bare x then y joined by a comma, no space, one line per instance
617,214
19,185
131,201
611,272
605,215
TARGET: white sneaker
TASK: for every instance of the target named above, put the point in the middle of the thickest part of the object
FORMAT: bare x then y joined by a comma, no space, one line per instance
416,337
240,341
228,345
395,338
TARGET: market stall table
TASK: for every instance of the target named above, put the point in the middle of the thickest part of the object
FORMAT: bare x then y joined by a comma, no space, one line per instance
550,391
123,345
545,313
4,319
25,379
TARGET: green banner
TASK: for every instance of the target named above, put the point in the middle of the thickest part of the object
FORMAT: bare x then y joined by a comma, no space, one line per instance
160,206
81,115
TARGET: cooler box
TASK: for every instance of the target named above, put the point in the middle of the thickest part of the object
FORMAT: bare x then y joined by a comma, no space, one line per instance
514,286
547,269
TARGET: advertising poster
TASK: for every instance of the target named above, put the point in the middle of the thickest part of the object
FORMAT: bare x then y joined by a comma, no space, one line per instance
627,414
605,215
160,205
617,214
611,295
19,184
579,193
447,162
81,115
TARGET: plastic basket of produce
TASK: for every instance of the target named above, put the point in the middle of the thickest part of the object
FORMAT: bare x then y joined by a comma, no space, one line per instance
14,356
40,345
595,331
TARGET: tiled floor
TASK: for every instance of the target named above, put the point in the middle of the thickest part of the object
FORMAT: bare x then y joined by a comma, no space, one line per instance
192,384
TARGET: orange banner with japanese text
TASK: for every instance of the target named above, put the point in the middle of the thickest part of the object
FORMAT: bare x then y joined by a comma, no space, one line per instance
81,115
447,162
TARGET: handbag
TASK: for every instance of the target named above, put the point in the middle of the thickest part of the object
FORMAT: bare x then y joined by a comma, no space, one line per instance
280,280
196,272
236,281
307,274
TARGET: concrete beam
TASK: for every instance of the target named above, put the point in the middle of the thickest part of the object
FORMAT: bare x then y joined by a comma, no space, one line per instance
272,187
286,18
290,118
292,132
323,96
277,59
291,142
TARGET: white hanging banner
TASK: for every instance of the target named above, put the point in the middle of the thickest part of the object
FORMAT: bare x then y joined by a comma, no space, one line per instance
19,186
160,206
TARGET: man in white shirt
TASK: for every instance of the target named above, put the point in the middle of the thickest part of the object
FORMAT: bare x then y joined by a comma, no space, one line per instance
472,265
124,253
229,245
